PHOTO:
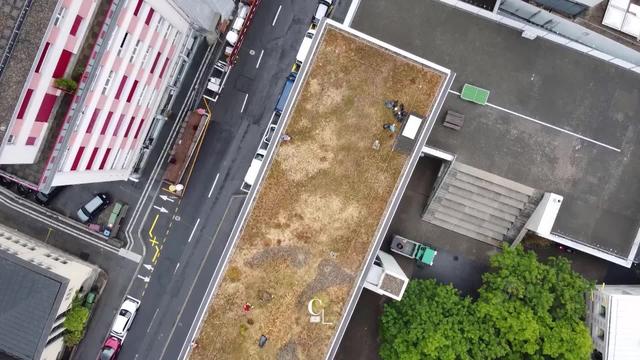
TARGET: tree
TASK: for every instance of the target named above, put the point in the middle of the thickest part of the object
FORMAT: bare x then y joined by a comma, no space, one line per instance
532,310
525,310
65,84
75,322
431,322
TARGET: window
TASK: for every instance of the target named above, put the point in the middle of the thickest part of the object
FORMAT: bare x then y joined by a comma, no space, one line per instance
42,56
121,87
603,311
135,51
92,158
147,21
139,128
93,120
600,334
164,67
77,159
142,93
123,44
167,31
126,133
107,82
46,108
106,123
155,63
159,23
145,57
132,91
63,63
31,140
137,9
104,158
25,103
76,25
59,16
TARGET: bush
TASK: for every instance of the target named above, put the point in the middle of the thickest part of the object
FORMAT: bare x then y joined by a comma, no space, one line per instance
65,84
75,322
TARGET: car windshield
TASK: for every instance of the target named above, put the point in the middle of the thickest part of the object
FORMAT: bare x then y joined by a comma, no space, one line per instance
107,353
125,313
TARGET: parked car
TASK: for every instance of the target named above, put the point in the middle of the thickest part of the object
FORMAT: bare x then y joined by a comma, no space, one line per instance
110,349
90,299
93,207
252,173
6,182
125,317
284,95
23,190
44,198
323,10
305,46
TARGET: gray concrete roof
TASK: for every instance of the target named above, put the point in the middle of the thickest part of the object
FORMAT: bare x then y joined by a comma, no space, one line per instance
560,121
22,57
29,301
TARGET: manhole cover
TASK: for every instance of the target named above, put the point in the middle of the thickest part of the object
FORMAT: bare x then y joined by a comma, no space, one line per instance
252,52
176,218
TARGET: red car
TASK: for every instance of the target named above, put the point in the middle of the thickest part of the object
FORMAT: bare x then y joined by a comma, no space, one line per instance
110,348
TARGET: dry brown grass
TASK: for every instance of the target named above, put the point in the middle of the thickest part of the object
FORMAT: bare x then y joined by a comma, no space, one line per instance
321,203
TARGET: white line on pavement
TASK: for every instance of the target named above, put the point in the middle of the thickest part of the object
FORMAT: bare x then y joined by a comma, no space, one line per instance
547,125
276,17
246,96
214,185
176,269
153,318
259,58
194,230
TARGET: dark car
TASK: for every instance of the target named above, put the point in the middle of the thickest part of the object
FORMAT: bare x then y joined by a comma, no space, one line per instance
110,349
44,198
93,207
23,190
6,182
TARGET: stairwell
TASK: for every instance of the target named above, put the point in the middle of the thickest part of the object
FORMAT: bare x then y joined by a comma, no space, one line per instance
481,205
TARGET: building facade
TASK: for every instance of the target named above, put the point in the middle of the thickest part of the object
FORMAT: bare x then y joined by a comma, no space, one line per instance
135,54
38,284
613,317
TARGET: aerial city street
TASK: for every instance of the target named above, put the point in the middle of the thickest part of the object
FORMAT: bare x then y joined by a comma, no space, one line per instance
319,179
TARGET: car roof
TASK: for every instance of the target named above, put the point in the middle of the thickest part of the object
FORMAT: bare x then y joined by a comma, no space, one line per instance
129,305
119,323
94,203
252,173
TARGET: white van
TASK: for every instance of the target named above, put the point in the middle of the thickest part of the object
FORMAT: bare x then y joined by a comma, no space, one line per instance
254,168
306,45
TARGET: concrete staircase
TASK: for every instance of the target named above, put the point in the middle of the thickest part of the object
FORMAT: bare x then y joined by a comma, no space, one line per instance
481,205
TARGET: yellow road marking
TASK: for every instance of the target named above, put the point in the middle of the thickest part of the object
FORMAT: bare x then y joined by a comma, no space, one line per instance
153,225
155,256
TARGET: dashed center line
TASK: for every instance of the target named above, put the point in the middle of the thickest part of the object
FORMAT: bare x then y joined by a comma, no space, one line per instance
259,58
244,103
214,185
276,17
194,230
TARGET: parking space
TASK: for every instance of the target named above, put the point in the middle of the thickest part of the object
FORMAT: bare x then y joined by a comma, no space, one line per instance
556,120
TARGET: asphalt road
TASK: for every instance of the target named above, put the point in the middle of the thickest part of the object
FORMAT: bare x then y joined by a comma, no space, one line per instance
185,237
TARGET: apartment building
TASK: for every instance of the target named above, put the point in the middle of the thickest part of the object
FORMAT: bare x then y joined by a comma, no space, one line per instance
613,317
38,285
128,58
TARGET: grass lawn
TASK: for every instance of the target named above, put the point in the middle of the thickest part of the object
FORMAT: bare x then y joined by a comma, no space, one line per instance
319,206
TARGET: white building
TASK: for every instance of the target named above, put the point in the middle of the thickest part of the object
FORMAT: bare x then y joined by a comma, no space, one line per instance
613,317
386,277
38,284
127,85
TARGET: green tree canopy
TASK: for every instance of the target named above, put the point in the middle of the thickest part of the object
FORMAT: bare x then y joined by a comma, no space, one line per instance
525,310
75,322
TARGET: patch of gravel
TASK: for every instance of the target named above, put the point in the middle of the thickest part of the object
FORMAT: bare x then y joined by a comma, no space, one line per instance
329,274
294,255
288,351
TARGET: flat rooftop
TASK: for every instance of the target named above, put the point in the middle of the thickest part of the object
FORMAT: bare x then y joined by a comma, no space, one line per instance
323,201
557,120
31,31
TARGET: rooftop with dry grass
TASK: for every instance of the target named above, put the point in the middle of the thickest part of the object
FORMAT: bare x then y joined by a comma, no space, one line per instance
318,208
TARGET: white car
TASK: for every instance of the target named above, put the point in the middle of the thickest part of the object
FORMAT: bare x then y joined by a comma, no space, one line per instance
252,173
125,317
305,46
323,10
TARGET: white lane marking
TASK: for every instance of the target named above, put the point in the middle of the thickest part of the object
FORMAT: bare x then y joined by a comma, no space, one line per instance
246,96
259,58
194,230
152,319
176,269
547,125
214,185
276,17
